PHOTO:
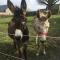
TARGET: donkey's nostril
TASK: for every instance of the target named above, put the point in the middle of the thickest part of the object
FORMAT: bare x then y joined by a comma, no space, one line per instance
43,18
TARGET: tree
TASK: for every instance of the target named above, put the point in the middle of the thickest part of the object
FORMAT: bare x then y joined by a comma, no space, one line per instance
49,3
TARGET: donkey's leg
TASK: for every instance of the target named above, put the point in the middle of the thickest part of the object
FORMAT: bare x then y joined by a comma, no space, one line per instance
14,43
25,51
19,50
37,39
18,46
43,42
38,46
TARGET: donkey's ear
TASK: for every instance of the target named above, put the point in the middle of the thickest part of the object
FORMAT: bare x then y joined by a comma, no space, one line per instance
23,5
38,13
10,6
49,14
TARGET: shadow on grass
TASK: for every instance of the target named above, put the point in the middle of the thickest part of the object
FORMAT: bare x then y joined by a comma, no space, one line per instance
53,53
4,22
6,49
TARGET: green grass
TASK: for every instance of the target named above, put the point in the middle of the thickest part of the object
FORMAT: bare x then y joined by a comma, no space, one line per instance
55,26
6,44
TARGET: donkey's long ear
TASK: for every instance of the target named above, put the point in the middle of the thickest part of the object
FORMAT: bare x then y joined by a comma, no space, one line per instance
23,5
49,14
10,6
38,13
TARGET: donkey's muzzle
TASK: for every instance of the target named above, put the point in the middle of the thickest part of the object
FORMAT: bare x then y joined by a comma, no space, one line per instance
43,18
18,33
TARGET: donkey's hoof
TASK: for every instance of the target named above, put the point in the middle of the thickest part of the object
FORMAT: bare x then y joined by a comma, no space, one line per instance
37,54
44,52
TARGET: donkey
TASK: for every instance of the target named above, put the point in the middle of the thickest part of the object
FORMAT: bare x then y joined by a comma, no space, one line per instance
18,30
41,26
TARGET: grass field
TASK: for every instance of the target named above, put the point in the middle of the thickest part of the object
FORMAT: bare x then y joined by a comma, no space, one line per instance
53,49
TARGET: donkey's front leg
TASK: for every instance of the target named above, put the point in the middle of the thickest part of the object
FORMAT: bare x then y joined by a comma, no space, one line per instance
43,47
37,39
25,51
14,43
18,46
38,45
43,43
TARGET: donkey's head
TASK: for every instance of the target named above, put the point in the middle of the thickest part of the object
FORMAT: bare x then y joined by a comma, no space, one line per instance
19,17
19,13
43,15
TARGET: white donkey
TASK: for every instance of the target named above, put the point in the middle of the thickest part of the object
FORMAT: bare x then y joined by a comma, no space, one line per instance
41,26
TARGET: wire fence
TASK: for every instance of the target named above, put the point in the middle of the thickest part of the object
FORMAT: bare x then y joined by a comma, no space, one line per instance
30,35
24,35
11,56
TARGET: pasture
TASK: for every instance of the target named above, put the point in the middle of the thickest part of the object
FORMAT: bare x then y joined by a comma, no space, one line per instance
53,44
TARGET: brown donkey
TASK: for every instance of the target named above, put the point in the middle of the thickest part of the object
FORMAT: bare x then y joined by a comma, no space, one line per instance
17,29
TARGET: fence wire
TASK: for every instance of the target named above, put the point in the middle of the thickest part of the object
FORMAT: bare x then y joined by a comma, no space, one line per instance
11,56
24,35
30,35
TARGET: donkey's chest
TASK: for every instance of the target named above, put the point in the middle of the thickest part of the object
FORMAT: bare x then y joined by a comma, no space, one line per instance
41,26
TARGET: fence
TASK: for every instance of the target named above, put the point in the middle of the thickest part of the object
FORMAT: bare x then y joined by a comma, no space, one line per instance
14,57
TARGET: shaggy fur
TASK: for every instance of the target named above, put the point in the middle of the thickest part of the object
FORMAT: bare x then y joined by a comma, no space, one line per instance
41,26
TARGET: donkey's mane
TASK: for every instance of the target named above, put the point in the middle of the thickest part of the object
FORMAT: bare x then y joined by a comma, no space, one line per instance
18,12
18,15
